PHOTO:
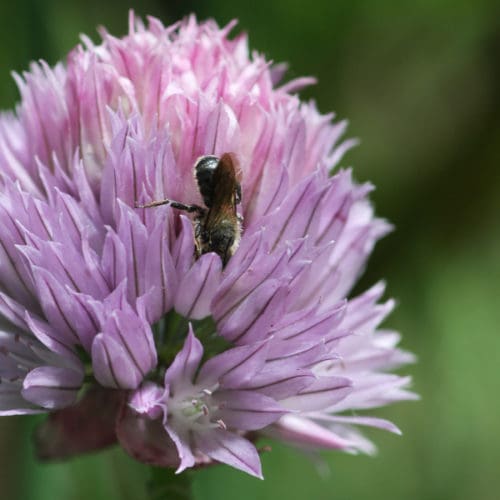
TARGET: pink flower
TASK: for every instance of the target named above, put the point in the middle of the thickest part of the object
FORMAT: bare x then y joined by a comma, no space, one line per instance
109,314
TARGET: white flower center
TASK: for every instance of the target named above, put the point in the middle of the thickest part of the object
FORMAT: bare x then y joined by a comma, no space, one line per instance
196,408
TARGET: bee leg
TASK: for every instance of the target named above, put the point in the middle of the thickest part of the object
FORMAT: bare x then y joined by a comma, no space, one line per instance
197,240
188,208
175,204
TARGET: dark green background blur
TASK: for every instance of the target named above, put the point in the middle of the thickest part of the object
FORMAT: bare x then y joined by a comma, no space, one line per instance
420,83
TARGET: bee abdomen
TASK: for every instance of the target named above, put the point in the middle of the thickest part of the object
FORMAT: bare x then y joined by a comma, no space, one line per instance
223,240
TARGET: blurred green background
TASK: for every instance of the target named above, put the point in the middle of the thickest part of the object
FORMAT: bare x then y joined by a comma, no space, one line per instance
420,83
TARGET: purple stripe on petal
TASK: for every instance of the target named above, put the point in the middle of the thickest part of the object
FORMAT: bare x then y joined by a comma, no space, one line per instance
247,410
221,127
269,191
310,324
230,449
133,235
233,367
13,311
286,356
255,318
85,320
196,289
112,364
290,220
335,207
73,222
279,384
85,192
135,335
49,337
181,371
71,266
13,277
183,248
320,395
160,274
63,310
114,260
233,292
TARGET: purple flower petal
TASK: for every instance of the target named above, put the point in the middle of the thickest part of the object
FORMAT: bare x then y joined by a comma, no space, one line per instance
240,285
183,248
292,218
133,235
52,387
64,311
13,311
379,423
306,433
148,400
160,277
286,356
181,438
255,317
124,352
230,449
373,390
195,291
308,324
11,401
49,337
113,364
185,364
323,393
280,384
114,259
247,410
235,366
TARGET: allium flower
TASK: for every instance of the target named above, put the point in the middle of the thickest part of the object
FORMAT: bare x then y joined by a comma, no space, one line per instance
109,320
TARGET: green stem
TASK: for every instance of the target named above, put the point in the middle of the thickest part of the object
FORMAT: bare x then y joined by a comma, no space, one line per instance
164,484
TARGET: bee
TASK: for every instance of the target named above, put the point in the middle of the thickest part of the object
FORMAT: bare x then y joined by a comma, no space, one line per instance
217,226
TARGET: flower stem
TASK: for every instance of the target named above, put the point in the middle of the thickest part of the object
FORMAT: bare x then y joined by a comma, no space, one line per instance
164,484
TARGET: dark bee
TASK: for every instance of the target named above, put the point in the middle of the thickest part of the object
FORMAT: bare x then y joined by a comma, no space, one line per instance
218,226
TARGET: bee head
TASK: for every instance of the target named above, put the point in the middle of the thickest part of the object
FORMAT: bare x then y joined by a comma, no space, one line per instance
217,177
204,172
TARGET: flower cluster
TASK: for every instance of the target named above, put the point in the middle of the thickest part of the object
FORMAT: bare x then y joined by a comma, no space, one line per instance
109,320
